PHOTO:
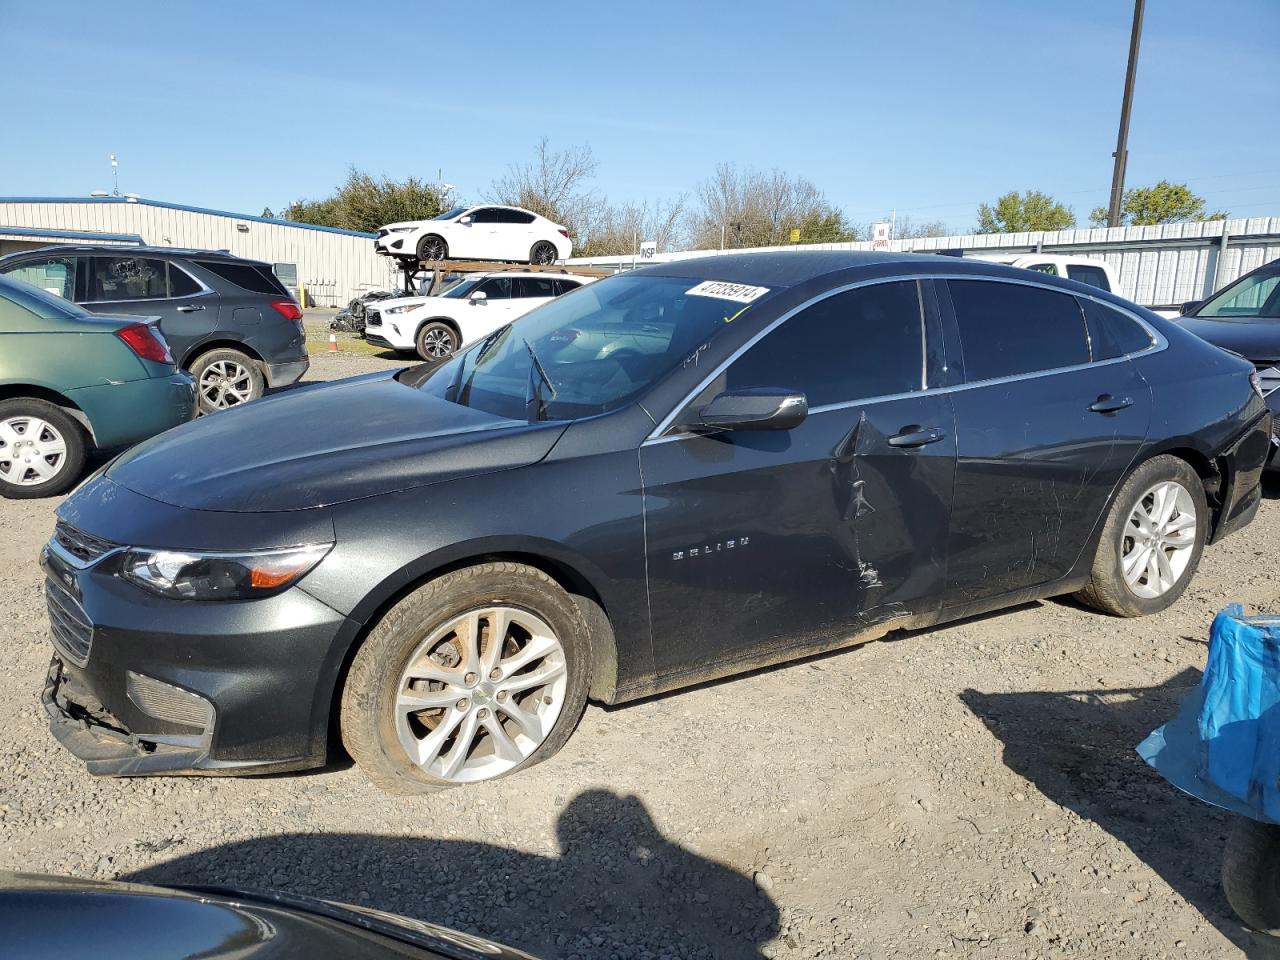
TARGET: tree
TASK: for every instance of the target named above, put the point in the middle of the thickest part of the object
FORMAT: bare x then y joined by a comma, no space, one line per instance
904,228
747,208
1015,212
1163,203
267,214
364,202
552,185
616,230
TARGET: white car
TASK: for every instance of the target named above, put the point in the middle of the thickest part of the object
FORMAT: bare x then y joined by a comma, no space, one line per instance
1096,273
487,232
475,306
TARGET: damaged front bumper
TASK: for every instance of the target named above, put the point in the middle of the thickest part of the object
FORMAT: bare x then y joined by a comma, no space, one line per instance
91,733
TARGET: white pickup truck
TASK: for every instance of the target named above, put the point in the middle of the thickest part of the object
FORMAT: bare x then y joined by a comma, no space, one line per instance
1096,273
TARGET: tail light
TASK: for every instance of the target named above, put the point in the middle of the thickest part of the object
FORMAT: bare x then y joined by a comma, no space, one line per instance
563,232
146,342
287,309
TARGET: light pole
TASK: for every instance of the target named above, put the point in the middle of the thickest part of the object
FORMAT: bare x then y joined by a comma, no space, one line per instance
1122,151
115,176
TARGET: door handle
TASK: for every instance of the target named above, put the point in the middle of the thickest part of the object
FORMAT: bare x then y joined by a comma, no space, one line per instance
916,436
1109,404
190,307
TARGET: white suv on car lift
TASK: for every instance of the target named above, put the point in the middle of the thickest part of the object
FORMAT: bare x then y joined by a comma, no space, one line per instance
487,232
436,326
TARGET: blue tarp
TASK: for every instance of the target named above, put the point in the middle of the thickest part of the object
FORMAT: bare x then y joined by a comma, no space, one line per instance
1223,746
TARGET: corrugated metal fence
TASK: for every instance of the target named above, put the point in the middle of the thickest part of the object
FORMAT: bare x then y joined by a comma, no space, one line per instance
1159,266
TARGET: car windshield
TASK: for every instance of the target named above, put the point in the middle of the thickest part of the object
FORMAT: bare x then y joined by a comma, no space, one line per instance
1257,296
588,352
460,289
450,214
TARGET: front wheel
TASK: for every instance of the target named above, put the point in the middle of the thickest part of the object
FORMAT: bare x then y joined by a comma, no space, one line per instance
1251,874
476,674
42,449
435,341
1152,540
432,248
543,253
226,378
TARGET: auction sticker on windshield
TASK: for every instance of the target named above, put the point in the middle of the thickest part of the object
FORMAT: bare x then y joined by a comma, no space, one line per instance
738,292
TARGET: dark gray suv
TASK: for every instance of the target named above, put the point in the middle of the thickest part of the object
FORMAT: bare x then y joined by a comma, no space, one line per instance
228,320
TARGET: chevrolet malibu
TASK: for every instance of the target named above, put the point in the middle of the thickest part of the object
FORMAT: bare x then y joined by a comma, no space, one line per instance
674,474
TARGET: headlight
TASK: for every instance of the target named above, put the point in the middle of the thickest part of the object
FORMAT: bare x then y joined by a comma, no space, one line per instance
205,575
402,309
403,229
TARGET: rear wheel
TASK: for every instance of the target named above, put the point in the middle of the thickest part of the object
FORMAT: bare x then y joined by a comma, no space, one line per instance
226,378
543,252
1251,874
1151,543
42,449
436,340
433,248
477,674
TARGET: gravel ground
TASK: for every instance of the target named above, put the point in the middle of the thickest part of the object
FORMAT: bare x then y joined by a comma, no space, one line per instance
965,791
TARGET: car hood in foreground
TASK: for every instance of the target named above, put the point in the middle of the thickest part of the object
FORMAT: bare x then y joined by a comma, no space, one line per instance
327,444
1256,340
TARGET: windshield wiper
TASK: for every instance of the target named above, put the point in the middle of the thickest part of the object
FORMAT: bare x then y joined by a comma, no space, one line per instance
534,393
491,341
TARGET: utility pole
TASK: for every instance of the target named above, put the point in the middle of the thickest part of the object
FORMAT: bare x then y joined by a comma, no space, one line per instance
115,176
1122,151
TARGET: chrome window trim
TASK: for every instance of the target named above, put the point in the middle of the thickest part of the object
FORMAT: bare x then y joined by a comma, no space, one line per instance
1158,343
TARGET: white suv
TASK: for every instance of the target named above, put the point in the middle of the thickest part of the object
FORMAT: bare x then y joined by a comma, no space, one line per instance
477,233
435,327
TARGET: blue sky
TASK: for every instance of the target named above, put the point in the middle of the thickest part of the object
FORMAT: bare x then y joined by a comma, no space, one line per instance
929,107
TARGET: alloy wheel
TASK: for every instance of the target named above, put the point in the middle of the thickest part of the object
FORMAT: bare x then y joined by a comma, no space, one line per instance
544,253
32,451
480,694
225,383
437,343
1159,540
433,249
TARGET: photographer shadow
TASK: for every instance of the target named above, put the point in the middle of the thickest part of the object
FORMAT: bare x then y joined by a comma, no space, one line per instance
618,885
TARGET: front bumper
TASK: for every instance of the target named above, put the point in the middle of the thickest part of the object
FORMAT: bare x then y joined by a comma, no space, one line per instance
378,340
283,374
395,245
266,669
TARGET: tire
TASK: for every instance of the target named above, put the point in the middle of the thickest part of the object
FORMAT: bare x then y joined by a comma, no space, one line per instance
433,248
427,632
436,340
42,449
1251,874
543,252
226,378
1179,540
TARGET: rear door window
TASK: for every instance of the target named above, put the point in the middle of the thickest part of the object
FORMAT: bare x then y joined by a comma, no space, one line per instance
56,275
1111,333
534,287
127,278
246,276
181,283
866,342
1094,276
514,216
1008,329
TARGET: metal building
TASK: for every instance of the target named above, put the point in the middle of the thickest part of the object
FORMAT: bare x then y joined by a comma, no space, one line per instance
331,265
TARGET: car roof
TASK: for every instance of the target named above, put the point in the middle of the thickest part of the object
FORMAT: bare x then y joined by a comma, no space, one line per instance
134,249
785,268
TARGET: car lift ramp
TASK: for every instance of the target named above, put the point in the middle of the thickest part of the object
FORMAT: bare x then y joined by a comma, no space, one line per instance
411,268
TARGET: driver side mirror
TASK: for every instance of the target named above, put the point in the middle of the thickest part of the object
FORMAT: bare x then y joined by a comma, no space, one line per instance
479,297
761,408
1189,307
466,221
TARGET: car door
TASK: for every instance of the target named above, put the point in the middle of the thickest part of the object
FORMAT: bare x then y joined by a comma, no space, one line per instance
1044,433
765,544
515,234
477,240
496,308
531,292
117,284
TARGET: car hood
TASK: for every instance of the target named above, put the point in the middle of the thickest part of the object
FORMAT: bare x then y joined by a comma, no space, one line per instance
1256,340
315,446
